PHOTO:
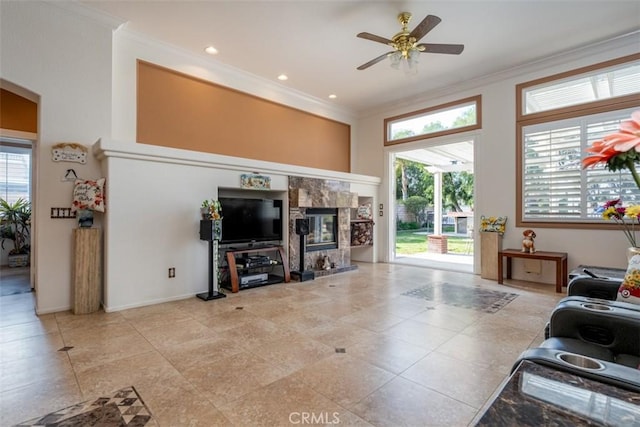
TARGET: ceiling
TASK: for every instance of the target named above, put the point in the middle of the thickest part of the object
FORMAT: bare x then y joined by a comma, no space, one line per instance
315,43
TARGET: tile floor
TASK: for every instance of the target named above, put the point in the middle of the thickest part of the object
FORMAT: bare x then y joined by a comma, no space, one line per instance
347,349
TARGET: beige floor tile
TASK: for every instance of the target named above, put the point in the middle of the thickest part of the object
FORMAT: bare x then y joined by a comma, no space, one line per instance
97,333
467,382
289,402
68,321
175,402
420,334
389,353
404,403
228,319
501,329
343,379
205,350
96,353
167,336
339,334
291,356
144,320
37,399
300,320
140,370
334,309
231,378
373,319
258,333
209,363
23,372
497,354
443,317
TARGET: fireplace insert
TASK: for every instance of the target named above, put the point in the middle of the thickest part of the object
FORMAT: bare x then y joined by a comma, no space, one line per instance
323,229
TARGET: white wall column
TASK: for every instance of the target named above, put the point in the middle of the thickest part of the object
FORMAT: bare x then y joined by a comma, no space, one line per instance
437,203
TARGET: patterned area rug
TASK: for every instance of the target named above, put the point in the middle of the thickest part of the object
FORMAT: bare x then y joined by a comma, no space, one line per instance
123,408
463,296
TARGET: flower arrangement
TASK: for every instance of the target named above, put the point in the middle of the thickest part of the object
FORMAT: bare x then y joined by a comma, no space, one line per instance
211,209
614,211
619,150
496,224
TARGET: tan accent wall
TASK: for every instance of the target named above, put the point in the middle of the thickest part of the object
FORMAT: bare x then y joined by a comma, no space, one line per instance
180,111
17,113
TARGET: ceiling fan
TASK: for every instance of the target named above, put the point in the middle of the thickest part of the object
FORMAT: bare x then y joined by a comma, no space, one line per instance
405,43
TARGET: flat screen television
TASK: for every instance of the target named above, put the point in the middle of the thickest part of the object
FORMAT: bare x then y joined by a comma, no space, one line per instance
250,220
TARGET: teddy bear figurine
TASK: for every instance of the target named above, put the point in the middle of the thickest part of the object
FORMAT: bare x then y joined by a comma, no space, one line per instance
528,243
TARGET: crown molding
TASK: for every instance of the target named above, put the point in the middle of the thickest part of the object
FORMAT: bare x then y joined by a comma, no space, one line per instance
95,15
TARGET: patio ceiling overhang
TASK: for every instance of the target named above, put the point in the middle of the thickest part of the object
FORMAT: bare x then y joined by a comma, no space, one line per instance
455,157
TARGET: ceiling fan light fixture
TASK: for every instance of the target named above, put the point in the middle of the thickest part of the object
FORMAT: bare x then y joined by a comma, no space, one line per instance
406,48
395,58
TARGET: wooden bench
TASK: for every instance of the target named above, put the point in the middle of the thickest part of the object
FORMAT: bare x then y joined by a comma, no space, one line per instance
560,258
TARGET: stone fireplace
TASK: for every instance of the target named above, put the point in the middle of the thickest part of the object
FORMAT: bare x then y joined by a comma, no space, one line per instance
327,204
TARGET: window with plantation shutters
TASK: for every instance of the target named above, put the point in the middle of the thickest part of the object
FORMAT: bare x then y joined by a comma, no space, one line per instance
557,118
15,170
555,187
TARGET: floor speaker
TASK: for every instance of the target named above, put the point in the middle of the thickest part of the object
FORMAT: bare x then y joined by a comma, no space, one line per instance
302,226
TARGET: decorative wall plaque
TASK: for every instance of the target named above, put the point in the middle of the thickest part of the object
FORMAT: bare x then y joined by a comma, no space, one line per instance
256,182
69,152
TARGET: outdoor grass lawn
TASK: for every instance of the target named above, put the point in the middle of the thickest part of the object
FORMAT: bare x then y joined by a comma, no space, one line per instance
409,242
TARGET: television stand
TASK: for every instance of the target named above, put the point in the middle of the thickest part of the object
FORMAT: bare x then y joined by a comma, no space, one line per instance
258,275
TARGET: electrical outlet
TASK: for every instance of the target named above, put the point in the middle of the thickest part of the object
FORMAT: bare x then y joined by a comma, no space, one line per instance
172,272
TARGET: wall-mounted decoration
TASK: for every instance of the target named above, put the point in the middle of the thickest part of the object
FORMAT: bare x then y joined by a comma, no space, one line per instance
70,175
62,213
69,152
364,211
88,194
255,182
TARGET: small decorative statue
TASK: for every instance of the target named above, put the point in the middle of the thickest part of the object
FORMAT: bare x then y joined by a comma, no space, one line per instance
326,263
528,243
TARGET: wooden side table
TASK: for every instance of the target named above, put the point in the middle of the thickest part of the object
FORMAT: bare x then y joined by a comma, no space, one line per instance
87,270
560,258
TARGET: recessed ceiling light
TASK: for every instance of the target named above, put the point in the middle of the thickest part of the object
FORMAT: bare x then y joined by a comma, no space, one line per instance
211,50
333,96
283,77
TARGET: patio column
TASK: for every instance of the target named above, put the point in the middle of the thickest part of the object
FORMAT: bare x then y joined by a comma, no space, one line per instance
437,203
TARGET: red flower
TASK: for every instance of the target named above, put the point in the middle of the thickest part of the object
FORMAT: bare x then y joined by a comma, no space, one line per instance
620,150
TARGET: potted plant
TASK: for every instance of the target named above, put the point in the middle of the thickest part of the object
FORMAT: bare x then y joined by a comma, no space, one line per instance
15,223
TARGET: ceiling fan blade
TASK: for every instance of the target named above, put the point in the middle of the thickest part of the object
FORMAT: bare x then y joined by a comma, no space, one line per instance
374,61
425,26
374,38
453,49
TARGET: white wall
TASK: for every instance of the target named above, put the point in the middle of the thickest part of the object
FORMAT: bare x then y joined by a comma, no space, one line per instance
65,59
152,223
495,154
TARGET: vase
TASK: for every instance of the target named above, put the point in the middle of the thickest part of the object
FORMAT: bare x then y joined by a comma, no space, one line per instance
631,251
